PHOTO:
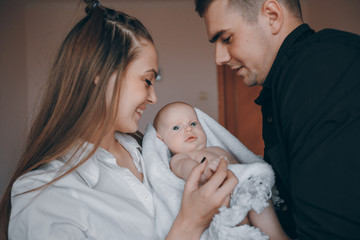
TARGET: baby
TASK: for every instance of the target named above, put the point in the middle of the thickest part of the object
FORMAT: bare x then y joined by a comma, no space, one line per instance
178,126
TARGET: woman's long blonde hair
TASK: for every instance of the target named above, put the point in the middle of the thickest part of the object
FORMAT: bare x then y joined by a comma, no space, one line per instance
73,109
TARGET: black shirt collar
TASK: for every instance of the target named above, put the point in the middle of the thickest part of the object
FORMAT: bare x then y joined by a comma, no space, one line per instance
288,45
300,33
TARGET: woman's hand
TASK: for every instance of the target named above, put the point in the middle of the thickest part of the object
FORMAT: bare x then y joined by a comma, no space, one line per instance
210,168
201,203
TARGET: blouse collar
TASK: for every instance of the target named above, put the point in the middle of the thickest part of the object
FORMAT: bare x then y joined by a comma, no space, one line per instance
89,171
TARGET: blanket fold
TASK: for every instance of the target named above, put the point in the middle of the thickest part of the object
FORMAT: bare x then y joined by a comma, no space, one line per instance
256,179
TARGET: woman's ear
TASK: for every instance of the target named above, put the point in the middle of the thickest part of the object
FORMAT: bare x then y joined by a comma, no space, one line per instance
274,15
96,80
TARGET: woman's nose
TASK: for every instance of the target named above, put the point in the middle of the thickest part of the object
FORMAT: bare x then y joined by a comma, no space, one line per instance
152,99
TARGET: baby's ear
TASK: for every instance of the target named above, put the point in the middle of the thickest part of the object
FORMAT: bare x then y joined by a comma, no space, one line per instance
159,137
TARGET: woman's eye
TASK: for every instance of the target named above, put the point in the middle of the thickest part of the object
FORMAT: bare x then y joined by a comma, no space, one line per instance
148,82
193,124
226,40
176,128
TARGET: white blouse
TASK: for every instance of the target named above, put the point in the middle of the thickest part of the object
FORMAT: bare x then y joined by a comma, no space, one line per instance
99,200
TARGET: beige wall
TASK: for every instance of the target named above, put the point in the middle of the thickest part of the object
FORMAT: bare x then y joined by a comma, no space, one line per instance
31,32
185,57
339,14
13,87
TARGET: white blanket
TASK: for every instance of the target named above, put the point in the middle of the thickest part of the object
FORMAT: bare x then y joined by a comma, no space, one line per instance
256,179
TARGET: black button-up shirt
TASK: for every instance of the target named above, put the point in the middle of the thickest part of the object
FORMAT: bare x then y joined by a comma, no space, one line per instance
311,128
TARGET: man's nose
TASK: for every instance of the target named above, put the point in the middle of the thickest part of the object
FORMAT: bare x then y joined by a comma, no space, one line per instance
222,55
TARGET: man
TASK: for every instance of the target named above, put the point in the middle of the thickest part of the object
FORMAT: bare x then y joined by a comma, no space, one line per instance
310,105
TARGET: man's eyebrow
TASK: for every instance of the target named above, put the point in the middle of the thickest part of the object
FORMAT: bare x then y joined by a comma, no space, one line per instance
216,36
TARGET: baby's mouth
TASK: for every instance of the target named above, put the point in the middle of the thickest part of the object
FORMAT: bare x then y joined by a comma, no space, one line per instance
191,139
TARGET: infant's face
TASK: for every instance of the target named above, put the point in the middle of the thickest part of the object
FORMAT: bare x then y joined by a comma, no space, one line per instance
180,129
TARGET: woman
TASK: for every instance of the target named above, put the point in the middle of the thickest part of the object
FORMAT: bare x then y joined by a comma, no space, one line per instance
81,176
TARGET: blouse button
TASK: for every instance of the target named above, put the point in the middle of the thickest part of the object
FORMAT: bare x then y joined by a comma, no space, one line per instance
269,119
146,196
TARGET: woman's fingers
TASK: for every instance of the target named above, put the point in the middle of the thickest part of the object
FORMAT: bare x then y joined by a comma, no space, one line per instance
217,178
192,183
221,185
227,187
200,203
196,209
226,201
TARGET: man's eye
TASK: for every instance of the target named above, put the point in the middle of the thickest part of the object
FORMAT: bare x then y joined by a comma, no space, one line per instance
176,128
148,82
193,124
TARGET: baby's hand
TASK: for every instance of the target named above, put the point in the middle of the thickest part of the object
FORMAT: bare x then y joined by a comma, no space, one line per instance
210,168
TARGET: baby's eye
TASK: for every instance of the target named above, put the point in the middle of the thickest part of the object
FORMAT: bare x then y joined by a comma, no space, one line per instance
176,128
148,82
193,124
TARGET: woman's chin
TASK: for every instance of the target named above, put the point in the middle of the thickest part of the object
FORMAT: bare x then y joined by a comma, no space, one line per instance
129,129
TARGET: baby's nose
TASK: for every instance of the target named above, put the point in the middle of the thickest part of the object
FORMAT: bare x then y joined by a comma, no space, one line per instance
188,129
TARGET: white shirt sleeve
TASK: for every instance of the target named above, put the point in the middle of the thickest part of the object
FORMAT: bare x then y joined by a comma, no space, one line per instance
41,220
99,200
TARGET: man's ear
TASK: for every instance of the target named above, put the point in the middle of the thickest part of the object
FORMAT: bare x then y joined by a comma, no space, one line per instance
274,15
159,137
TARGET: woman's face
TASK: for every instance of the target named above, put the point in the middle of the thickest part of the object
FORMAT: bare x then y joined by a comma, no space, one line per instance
136,89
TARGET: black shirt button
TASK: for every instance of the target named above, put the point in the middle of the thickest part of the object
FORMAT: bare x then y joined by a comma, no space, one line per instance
269,119
284,208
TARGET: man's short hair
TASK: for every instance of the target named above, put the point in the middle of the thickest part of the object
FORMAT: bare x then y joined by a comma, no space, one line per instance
250,8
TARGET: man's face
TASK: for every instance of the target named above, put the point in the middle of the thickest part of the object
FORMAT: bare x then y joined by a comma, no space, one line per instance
245,47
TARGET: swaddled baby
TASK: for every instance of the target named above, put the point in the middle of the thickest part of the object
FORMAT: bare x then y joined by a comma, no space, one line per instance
177,125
